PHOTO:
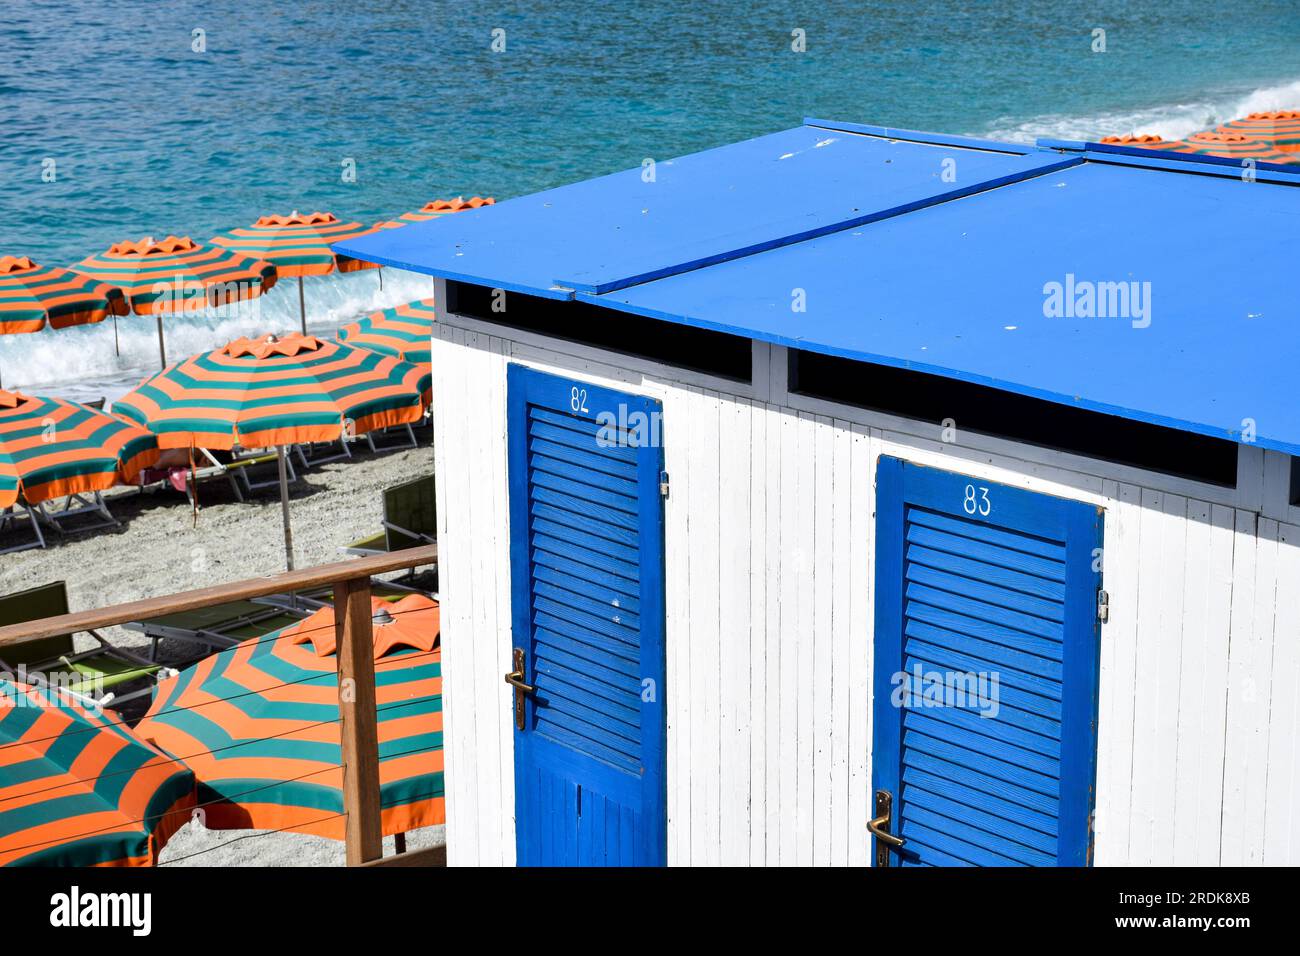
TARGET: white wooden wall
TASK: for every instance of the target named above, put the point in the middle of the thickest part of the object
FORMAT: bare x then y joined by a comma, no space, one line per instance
769,541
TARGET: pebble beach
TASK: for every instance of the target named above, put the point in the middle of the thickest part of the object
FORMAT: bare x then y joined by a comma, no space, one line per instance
161,549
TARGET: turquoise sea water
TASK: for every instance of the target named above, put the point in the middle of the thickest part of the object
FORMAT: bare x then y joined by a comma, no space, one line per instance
148,136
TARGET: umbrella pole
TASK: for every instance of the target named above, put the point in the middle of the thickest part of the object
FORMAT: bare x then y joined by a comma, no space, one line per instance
162,345
302,306
284,509
117,342
380,270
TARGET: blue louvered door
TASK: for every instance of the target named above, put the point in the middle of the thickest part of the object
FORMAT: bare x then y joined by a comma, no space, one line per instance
586,542
986,665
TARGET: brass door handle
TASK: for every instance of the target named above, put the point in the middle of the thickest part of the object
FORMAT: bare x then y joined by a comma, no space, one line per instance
876,826
879,828
516,680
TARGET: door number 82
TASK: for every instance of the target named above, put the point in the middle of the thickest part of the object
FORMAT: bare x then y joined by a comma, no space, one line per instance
977,501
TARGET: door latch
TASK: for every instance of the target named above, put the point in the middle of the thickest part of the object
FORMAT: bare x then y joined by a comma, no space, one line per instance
879,827
1103,606
516,680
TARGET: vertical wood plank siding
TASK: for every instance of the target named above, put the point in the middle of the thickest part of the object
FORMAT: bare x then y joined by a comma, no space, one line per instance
769,565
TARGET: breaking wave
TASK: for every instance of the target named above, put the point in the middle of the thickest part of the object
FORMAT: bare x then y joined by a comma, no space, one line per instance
84,363
1171,121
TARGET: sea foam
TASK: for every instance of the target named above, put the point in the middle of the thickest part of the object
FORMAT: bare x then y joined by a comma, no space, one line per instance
1169,120
83,363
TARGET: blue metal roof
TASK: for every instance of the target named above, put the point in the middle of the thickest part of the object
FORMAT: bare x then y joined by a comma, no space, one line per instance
900,267
617,230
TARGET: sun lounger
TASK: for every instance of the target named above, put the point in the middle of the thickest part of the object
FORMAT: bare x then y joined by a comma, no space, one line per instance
77,506
244,461
98,674
318,598
10,519
217,628
410,519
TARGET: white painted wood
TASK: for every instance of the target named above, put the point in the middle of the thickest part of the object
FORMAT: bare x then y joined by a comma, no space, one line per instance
839,606
705,481
862,504
677,649
734,662
780,610
1282,798
1118,684
805,641
822,660
769,573
790,638
761,554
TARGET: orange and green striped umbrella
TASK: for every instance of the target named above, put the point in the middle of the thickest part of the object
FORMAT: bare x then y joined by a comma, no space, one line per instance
78,788
1279,127
299,245
1233,145
402,331
436,210
33,296
259,725
50,448
259,393
178,275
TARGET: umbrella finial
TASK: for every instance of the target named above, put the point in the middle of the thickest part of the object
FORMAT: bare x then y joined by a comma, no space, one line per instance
381,617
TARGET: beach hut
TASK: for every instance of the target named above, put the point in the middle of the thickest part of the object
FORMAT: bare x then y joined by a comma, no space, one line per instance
853,487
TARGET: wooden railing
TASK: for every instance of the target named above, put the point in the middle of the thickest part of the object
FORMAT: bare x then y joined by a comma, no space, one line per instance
356,662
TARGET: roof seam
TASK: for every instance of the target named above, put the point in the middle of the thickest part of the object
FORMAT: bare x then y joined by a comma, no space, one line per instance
744,252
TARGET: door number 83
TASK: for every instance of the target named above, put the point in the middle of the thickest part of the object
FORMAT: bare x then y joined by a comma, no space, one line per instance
977,501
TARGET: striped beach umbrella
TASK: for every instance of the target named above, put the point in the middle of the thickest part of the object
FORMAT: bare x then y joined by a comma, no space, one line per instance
78,788
1279,127
299,245
1233,145
33,296
259,393
437,209
259,725
178,275
50,448
402,331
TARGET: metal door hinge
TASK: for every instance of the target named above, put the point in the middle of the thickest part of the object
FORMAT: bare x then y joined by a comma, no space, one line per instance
1103,606
663,484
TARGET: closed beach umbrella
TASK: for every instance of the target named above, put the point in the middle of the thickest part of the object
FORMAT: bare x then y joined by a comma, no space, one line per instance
259,725
50,448
259,393
402,331
33,296
1279,127
78,788
178,274
299,245
437,209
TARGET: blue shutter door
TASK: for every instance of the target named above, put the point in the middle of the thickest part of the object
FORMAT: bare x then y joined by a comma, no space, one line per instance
587,593
981,581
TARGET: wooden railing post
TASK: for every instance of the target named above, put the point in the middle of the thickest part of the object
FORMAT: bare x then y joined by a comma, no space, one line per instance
358,720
